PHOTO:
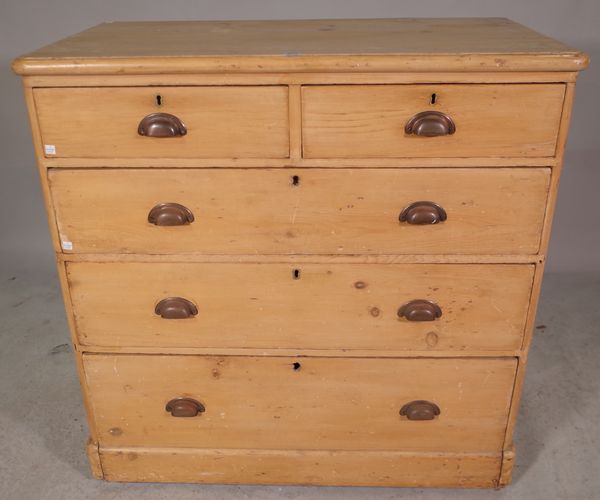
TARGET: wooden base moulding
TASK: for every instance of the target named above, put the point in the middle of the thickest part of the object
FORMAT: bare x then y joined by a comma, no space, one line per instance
334,468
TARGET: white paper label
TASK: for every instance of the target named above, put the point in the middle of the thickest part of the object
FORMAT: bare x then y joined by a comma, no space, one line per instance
67,245
49,149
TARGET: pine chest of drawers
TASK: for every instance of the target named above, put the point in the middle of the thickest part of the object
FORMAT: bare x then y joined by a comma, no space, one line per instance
301,252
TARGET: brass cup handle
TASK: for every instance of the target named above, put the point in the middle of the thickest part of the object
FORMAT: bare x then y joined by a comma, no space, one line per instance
161,125
170,214
184,407
176,308
420,310
420,410
430,124
423,212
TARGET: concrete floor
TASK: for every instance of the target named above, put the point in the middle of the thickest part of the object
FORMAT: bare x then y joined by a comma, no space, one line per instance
43,429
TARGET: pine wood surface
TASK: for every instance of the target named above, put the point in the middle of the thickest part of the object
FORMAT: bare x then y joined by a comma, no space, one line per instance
490,211
350,121
328,306
341,404
325,467
460,44
232,121
327,101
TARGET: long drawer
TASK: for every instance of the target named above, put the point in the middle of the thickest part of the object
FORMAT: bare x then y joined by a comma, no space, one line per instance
300,211
311,306
164,122
300,403
361,121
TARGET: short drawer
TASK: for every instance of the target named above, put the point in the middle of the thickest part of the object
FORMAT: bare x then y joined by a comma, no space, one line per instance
303,211
362,121
300,403
388,307
164,122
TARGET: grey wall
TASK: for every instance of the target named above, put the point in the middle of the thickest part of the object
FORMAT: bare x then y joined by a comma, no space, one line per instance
28,24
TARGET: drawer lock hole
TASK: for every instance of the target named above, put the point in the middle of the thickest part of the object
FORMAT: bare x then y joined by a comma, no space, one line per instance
158,100
296,366
433,98
296,274
295,180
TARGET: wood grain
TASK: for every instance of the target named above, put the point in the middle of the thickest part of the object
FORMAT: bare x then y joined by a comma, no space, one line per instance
183,79
461,44
329,306
490,211
235,121
302,353
256,96
336,467
537,283
341,404
93,455
315,258
60,267
350,121
508,463
287,163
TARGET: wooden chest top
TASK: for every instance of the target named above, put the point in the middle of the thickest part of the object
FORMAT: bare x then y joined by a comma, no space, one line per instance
458,44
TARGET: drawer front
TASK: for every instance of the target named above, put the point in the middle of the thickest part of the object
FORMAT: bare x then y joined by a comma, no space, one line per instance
220,122
320,403
312,306
362,121
353,211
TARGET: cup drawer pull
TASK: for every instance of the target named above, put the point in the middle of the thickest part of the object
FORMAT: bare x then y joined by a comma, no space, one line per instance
420,410
420,310
161,125
176,308
430,124
185,407
423,212
170,214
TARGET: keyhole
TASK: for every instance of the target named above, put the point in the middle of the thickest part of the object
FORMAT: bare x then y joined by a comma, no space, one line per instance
159,100
296,274
296,366
433,98
295,180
